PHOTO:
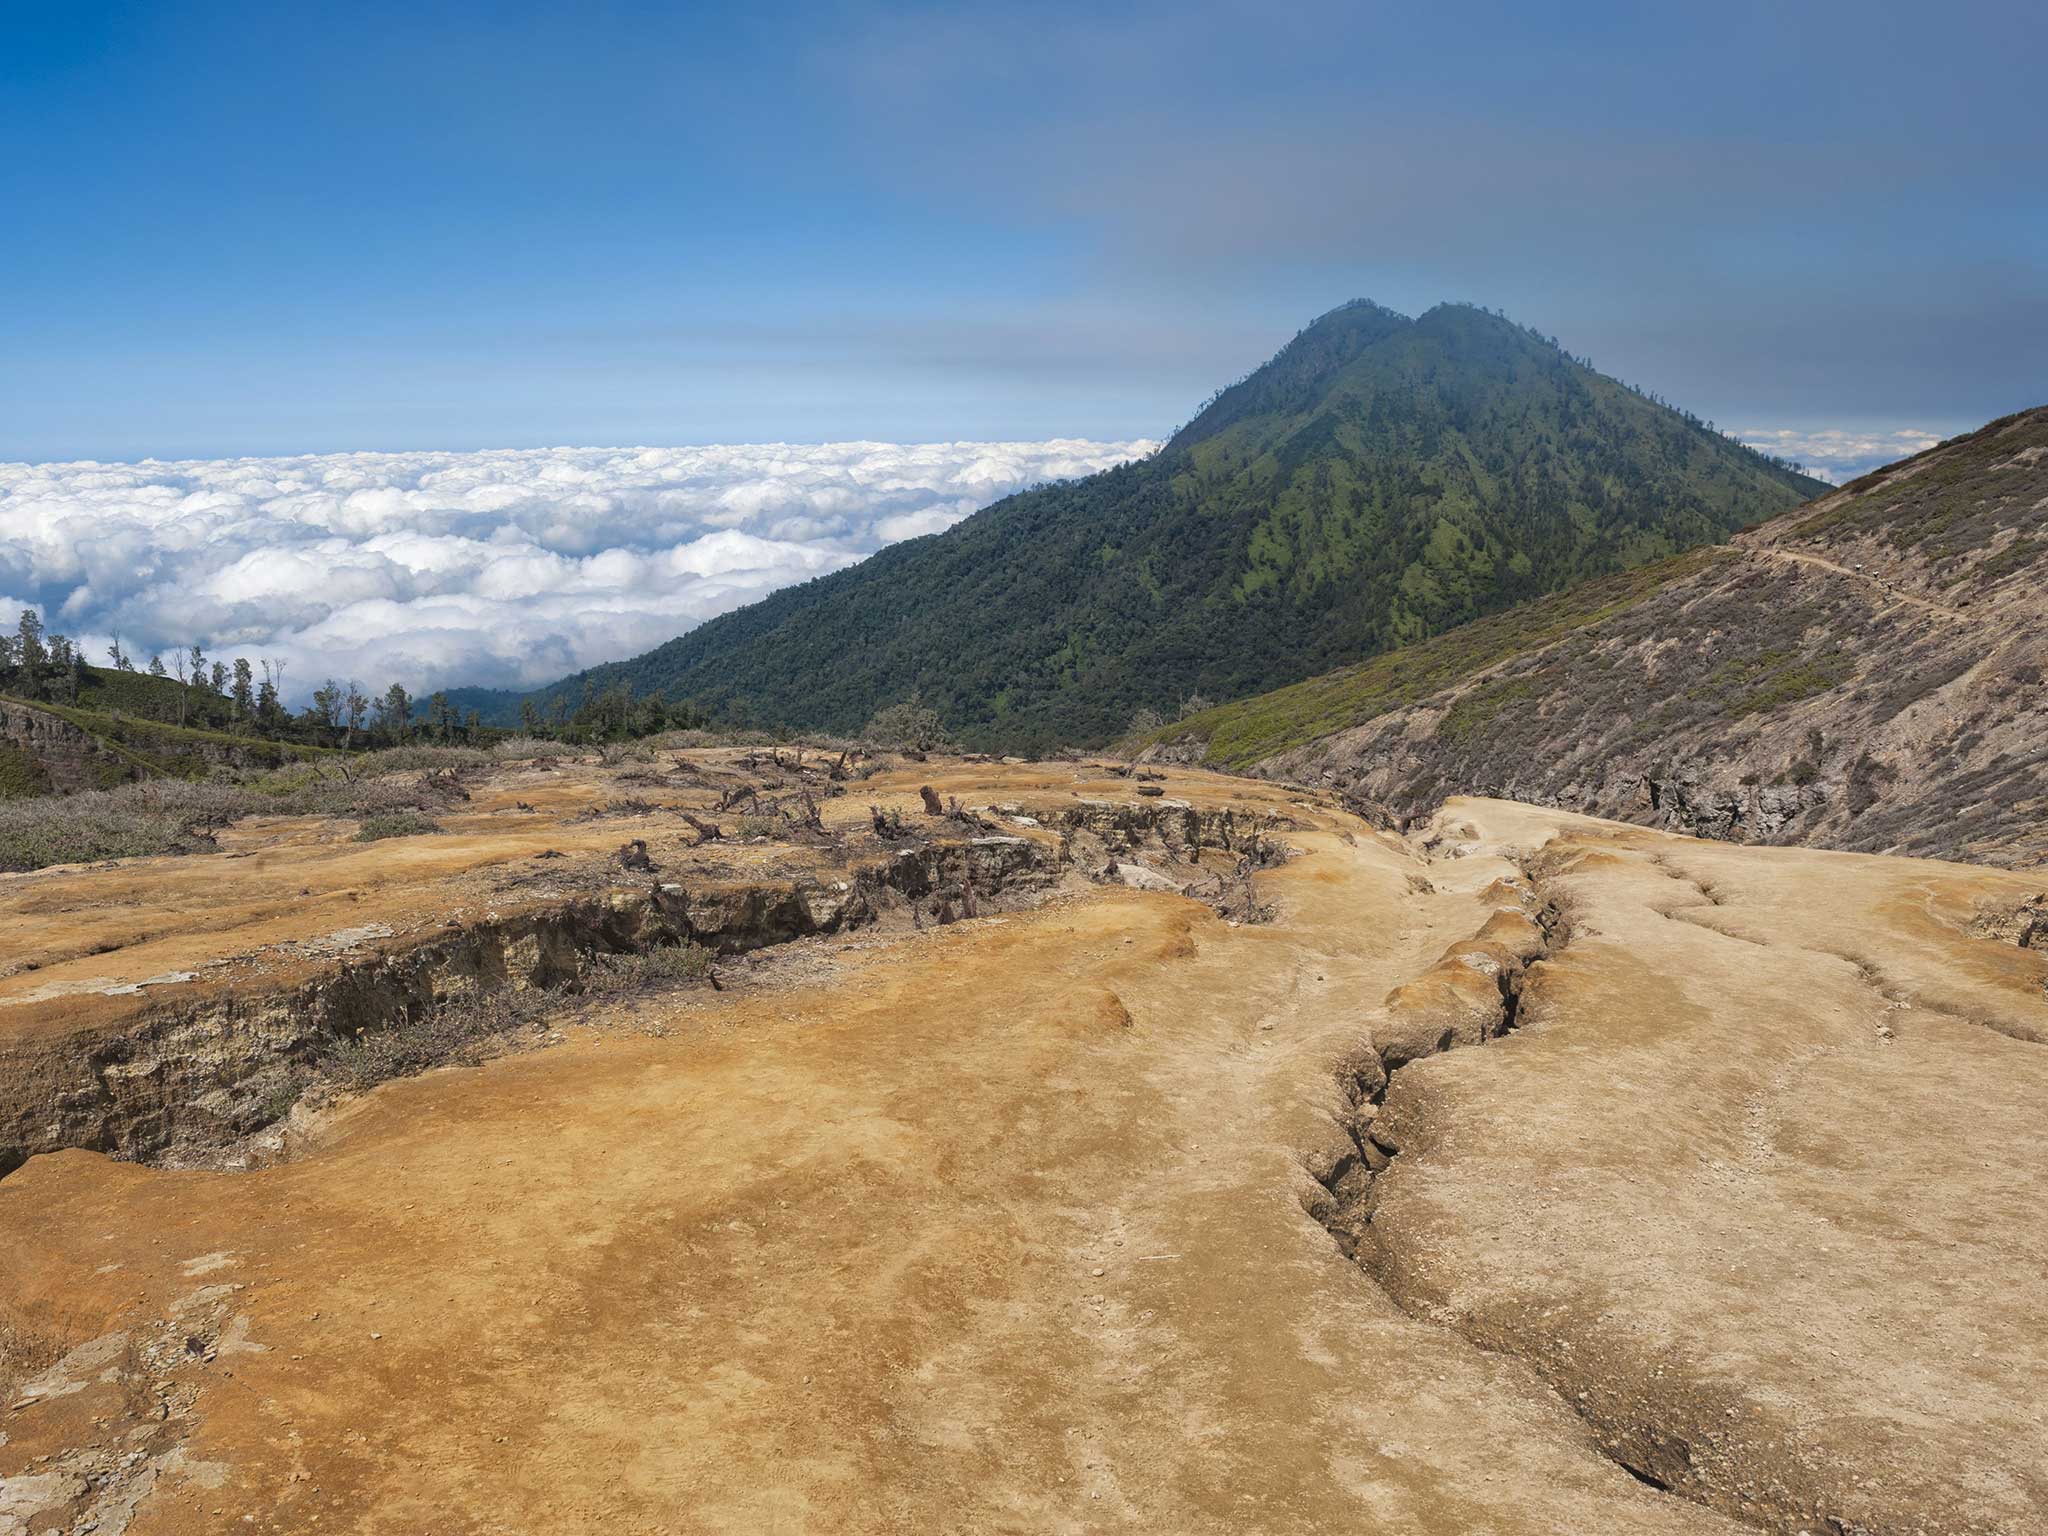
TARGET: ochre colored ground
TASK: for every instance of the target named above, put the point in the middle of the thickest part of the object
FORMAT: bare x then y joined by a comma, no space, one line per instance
1001,1227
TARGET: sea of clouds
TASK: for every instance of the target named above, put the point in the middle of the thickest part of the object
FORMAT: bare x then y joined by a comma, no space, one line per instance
1837,455
501,568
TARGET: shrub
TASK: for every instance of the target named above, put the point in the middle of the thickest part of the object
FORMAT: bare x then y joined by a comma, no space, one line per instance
519,748
460,1030
98,824
669,963
403,759
22,775
1866,775
760,826
400,823
911,726
158,816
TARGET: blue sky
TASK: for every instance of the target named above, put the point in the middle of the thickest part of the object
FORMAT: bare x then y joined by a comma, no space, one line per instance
256,229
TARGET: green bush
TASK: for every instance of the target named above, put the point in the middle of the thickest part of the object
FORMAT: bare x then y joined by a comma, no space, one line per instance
22,776
399,823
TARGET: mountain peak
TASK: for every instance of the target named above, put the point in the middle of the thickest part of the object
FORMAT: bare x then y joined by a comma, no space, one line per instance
1380,479
1295,376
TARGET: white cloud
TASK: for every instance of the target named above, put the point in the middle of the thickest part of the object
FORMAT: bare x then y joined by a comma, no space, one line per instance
507,568
1837,454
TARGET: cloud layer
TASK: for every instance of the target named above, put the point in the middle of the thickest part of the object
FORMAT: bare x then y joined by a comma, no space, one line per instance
1838,455
509,568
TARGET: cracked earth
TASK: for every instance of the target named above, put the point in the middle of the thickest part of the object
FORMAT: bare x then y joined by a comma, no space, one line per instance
1527,1173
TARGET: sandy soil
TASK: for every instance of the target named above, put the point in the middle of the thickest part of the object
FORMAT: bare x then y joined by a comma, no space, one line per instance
1003,1227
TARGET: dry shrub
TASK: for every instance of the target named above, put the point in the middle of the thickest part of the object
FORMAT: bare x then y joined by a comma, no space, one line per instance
472,1027
523,748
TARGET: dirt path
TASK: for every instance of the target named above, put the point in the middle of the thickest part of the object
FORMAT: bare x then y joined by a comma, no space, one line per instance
1889,589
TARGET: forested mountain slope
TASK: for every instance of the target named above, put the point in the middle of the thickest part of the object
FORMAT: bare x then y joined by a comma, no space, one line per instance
1867,672
1380,480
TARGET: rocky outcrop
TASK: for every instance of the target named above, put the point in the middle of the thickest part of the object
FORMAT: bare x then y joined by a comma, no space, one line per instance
1695,799
196,1071
1175,825
59,757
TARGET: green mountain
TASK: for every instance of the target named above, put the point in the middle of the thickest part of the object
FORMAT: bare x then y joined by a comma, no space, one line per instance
1380,480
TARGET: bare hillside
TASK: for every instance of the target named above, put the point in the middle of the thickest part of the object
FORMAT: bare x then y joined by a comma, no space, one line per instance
1866,672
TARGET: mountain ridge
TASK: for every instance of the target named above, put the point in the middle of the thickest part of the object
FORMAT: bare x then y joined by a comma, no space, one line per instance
1866,672
1380,479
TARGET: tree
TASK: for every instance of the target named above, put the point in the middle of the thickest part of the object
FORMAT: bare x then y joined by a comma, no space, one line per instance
31,656
156,665
439,716
198,665
650,716
178,663
394,712
245,689
354,705
66,668
911,726
270,713
118,656
217,680
268,707
529,717
326,705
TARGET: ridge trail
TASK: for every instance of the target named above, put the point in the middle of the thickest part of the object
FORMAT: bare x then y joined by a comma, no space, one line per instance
1888,588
